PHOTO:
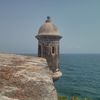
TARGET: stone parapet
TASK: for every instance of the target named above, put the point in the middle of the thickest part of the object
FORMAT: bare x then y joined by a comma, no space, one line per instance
25,78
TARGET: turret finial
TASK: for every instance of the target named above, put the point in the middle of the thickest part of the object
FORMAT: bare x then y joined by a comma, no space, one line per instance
48,19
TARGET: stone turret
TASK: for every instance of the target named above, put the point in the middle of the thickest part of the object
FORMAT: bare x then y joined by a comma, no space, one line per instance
48,46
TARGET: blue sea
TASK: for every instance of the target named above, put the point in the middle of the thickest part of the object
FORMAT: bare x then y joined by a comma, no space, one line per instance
81,75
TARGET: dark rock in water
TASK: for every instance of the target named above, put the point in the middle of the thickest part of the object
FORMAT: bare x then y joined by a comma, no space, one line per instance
25,78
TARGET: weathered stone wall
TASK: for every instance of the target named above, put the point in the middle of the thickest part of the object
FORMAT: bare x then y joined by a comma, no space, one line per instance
25,78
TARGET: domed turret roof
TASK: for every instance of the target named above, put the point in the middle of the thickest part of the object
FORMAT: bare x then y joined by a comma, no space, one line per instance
48,28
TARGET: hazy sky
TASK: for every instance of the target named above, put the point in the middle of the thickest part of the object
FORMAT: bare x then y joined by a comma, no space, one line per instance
77,20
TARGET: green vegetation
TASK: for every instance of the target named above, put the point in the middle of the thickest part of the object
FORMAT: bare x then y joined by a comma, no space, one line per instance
62,98
72,98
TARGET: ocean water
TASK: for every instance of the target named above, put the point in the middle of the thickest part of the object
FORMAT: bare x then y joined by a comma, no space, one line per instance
81,75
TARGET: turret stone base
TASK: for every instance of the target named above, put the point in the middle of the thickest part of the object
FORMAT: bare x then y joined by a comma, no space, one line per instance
56,75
